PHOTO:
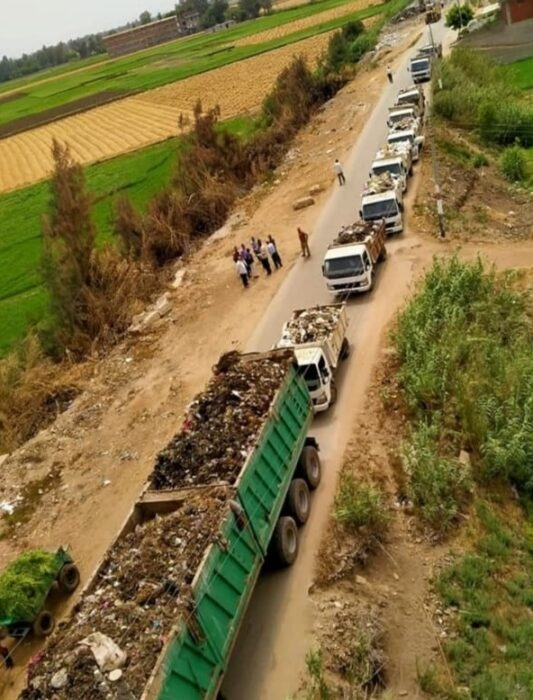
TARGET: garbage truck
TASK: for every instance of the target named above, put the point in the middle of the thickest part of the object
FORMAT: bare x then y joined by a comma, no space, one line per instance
350,262
412,95
383,199
411,137
318,338
160,615
398,165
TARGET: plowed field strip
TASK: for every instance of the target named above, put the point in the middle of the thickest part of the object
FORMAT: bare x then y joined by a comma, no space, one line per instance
134,122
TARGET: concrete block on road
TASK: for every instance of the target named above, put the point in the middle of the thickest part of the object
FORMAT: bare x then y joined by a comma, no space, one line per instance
302,203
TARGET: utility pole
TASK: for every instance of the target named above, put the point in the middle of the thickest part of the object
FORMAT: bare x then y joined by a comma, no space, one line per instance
438,194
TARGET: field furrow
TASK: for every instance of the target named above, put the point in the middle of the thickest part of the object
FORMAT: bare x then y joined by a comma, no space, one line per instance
134,122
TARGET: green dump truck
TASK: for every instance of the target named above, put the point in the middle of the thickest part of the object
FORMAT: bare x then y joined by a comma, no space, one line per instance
231,488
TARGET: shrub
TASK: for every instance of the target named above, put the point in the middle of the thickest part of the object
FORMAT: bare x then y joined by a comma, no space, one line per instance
437,485
360,504
513,164
480,160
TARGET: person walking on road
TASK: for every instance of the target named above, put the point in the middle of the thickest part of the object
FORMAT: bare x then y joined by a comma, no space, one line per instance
339,172
249,260
242,271
389,74
304,243
262,256
273,252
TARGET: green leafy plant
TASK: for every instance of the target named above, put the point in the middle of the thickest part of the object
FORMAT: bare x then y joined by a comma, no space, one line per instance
360,504
513,164
25,583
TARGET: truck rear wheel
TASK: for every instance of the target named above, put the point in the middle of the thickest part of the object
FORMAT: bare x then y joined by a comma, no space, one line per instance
69,578
44,624
285,541
383,255
309,466
345,349
299,501
334,394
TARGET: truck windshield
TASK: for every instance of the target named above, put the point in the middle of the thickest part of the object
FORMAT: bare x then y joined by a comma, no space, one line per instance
380,210
392,168
401,137
394,118
310,375
349,266
422,64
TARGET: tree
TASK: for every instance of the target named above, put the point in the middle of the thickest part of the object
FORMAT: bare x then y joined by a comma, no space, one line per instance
459,16
69,237
215,14
145,17
249,8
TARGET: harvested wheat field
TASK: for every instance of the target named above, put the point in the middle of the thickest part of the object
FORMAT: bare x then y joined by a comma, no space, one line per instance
305,23
134,122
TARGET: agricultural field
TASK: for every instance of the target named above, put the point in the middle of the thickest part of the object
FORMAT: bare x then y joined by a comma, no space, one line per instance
166,63
22,298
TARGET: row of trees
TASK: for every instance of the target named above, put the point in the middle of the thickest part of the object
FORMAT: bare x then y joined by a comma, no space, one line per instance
50,56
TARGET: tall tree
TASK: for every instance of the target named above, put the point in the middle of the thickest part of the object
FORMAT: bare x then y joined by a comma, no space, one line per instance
69,237
145,17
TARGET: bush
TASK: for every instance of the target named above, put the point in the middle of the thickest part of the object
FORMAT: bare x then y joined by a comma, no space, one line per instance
513,164
480,160
459,16
360,504
437,485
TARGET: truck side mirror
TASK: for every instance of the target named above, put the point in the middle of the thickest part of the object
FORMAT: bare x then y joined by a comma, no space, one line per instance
360,213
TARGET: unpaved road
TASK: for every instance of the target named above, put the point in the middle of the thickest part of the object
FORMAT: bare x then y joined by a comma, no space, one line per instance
269,656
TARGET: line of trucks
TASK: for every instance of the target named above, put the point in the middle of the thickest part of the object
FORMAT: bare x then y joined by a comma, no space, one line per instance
351,260
160,615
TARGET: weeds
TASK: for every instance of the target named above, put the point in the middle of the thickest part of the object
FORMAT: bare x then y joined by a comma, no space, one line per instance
489,593
513,164
360,505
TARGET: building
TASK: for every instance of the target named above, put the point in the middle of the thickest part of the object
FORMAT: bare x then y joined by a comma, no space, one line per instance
188,21
517,10
142,37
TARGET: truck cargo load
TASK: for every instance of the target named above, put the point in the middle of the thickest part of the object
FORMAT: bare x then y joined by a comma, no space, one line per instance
160,615
407,115
412,95
350,261
394,166
407,136
317,337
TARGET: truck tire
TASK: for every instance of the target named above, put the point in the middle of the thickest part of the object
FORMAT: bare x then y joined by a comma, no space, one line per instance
69,578
285,541
383,255
299,501
334,394
309,466
44,624
345,349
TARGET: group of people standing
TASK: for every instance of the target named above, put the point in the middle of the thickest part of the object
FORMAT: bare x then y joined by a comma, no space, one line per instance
265,253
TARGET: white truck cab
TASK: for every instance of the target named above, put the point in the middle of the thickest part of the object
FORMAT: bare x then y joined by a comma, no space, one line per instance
410,137
420,68
313,366
386,205
348,268
402,115
412,95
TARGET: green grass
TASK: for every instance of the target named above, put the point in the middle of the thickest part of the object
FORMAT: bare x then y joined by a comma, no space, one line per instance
489,593
22,299
174,61
520,73
139,175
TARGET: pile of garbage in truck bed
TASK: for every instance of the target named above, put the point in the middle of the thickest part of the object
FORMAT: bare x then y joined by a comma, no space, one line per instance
311,325
380,183
222,423
109,647
403,124
359,232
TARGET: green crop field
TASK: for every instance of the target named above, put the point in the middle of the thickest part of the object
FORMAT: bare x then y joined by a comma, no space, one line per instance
521,73
22,299
170,62
139,175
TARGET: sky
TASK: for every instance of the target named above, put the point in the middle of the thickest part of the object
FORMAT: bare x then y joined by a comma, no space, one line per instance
28,24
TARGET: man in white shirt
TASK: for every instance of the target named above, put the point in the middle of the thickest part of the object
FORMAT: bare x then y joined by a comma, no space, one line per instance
339,171
273,252
242,271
